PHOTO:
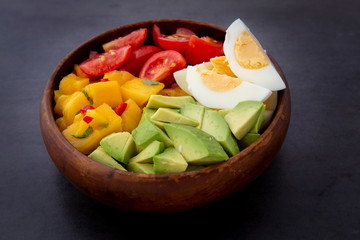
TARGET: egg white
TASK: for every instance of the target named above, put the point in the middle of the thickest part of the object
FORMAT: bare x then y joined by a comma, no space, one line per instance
222,99
266,77
272,102
180,76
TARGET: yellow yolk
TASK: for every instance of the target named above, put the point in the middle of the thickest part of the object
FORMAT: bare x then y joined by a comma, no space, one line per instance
248,52
218,82
221,66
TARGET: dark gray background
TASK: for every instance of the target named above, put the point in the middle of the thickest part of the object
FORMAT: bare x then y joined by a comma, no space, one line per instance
310,191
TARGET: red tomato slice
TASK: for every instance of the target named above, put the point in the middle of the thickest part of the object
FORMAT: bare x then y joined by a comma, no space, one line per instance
177,41
161,66
202,49
134,39
138,58
156,34
105,62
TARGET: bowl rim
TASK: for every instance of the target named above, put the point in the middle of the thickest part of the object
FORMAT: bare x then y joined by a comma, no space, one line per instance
47,108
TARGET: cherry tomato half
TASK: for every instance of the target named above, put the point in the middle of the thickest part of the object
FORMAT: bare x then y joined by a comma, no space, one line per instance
177,41
138,58
105,62
161,66
200,50
134,39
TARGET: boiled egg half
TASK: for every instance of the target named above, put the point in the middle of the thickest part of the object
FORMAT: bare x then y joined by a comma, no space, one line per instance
220,91
248,60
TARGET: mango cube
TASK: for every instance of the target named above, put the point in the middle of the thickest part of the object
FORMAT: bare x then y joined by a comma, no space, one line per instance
104,92
79,72
131,116
92,119
105,121
120,76
60,122
139,91
72,83
173,91
59,104
72,106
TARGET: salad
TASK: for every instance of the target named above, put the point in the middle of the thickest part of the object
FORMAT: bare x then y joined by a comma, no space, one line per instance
182,103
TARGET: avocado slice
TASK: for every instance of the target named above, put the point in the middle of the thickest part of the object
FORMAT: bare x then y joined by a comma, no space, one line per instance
147,154
194,111
158,101
197,147
259,121
242,118
147,168
248,139
214,124
120,146
102,157
147,132
170,116
169,161
147,114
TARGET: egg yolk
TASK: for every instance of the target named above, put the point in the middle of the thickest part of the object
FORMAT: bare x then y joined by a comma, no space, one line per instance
221,66
248,52
218,82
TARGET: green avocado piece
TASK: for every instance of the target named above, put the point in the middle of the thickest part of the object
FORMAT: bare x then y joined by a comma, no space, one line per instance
169,161
147,154
248,139
147,113
197,147
147,168
147,132
102,157
259,121
194,111
169,116
158,101
242,118
214,124
120,146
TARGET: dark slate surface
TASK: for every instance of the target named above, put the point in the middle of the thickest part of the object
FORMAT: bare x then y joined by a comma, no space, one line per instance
310,191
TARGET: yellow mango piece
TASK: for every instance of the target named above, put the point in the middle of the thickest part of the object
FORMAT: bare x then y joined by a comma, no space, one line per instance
57,94
131,116
120,76
108,112
79,72
72,83
59,104
221,66
99,121
139,91
104,92
72,106
87,143
173,91
60,122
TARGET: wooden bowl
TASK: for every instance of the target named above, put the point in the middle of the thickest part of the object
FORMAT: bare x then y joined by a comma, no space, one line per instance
167,192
